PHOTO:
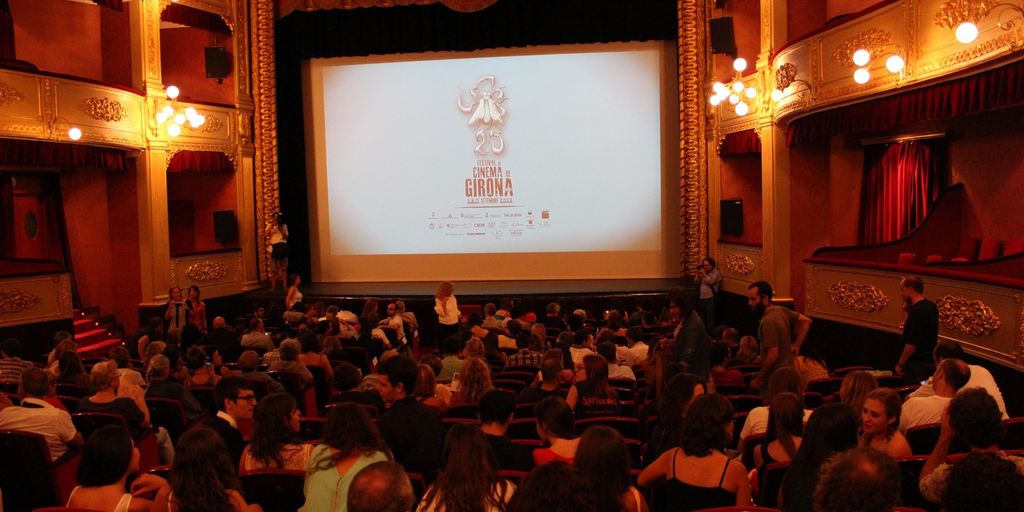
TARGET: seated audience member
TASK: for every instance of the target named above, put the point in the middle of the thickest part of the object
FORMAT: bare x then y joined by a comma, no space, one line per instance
553,317
474,381
748,351
38,416
698,474
636,348
719,374
203,477
553,487
879,421
380,487
557,428
350,443
810,364
731,338
984,481
785,431
950,376
672,404
539,331
529,351
428,392
107,460
603,464
225,339
831,429
124,367
275,440
113,396
576,320
295,314
187,337
550,384
451,364
71,371
474,322
256,338
201,374
490,321
594,397
160,386
248,367
469,476
855,388
858,480
492,351
157,347
346,381
473,348
11,364
974,417
616,371
412,430
235,401
613,323
62,342
582,344
980,376
495,413
783,380
312,355
140,339
331,348
289,363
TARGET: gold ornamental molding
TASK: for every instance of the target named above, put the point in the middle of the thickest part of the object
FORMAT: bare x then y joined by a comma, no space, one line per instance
693,157
739,264
785,76
9,95
857,296
15,301
967,316
954,12
206,271
873,40
264,88
212,124
104,109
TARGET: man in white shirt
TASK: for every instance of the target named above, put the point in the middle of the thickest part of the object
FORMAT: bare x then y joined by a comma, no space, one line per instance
636,350
582,340
616,371
980,376
36,415
950,376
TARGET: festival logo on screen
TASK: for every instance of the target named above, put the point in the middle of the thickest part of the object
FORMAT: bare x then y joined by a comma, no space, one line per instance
486,115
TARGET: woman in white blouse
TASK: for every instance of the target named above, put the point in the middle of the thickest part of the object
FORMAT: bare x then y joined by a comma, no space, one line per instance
447,310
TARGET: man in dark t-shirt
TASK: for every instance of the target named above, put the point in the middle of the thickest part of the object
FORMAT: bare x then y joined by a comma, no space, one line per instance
495,410
920,332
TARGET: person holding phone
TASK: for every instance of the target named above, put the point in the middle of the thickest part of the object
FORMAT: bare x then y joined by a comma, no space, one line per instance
178,310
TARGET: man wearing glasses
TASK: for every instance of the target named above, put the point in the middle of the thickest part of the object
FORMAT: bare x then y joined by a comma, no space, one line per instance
235,401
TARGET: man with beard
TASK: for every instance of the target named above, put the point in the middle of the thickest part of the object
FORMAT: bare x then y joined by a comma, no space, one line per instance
781,331
920,332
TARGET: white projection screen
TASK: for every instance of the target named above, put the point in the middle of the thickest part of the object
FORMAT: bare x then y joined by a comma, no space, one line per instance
556,162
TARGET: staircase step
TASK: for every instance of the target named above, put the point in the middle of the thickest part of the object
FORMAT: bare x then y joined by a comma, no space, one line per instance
99,349
85,324
92,336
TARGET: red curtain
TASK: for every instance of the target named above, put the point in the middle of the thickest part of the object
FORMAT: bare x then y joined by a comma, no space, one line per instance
996,88
740,143
200,161
195,18
54,154
6,32
116,5
901,181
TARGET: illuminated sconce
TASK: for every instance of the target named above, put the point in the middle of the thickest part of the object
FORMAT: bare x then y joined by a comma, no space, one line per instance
173,119
75,133
785,76
862,58
736,94
963,16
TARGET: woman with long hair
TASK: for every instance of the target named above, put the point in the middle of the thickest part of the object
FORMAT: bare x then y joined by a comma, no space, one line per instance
494,356
426,389
783,380
312,354
831,429
197,317
447,309
595,396
855,388
72,371
553,487
277,241
108,458
469,479
275,436
785,431
350,443
474,382
698,474
602,461
556,427
201,374
879,420
810,363
203,477
178,311
294,295
672,404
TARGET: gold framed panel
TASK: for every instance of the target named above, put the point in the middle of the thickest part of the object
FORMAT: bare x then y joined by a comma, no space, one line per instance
31,299
740,265
217,274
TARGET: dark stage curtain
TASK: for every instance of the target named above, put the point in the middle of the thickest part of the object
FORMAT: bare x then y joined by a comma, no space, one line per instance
195,18
740,143
54,154
419,28
900,183
6,32
996,88
6,217
116,5
200,161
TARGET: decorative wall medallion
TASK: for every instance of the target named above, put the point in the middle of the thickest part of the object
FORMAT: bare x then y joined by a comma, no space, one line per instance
785,75
104,109
15,301
873,40
739,264
967,316
954,12
206,271
212,124
9,95
857,296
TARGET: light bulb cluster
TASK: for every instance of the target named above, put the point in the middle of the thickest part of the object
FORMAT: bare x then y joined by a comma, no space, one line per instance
861,58
174,119
735,93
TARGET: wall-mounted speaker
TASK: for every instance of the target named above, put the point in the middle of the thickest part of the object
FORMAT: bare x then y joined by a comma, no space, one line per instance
732,216
218,63
225,227
723,37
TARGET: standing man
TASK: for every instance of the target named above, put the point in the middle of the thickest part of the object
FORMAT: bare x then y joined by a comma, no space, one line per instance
920,332
781,331
692,342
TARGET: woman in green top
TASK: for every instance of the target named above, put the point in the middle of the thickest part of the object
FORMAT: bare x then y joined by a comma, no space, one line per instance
350,443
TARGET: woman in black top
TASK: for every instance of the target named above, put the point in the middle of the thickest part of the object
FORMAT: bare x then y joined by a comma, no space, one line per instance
831,429
594,397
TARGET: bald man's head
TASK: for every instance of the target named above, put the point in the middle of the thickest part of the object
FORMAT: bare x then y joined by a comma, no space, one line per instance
858,480
381,487
219,322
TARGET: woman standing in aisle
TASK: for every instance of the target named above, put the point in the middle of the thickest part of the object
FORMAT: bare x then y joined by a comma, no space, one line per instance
447,310
277,238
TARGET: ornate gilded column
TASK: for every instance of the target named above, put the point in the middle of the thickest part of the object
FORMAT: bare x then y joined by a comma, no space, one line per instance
264,87
693,157
154,246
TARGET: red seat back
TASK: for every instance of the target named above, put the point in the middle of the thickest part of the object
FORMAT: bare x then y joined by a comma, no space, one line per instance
274,489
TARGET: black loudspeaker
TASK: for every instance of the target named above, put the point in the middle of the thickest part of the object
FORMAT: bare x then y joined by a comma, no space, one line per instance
225,227
723,38
218,62
732,217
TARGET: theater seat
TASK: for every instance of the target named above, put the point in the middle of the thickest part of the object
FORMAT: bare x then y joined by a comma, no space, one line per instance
274,489
910,473
989,249
771,483
34,481
968,248
933,258
1012,247
907,259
